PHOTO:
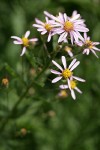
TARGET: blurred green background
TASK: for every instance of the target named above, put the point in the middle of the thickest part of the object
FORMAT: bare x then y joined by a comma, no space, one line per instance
35,117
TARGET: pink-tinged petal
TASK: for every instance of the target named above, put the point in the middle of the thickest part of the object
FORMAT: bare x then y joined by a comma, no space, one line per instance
39,22
17,42
51,16
61,17
64,62
73,94
44,32
87,51
96,43
49,37
61,37
79,35
56,79
81,29
55,72
63,86
27,34
33,40
38,26
78,90
75,36
65,17
95,48
47,20
23,51
70,53
57,65
79,79
75,17
69,84
72,63
85,36
16,38
94,53
75,65
71,37
41,29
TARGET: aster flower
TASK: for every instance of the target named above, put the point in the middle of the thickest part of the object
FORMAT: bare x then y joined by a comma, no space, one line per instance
72,85
69,51
24,41
68,26
46,27
88,45
66,72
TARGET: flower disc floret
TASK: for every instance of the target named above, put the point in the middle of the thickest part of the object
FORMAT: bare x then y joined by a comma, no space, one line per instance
68,26
72,84
25,41
89,44
48,27
67,73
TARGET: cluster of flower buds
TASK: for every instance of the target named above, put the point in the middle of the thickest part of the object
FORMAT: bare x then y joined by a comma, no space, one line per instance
70,30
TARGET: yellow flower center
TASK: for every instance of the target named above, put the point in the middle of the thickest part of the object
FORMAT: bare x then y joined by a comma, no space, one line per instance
73,84
25,41
63,93
68,26
48,27
67,73
67,48
89,44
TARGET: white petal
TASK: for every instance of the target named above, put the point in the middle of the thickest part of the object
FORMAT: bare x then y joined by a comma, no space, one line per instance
70,53
57,65
65,16
79,79
75,65
73,94
17,42
49,37
94,53
38,26
64,62
44,32
71,37
63,86
85,36
23,51
95,48
55,72
33,40
72,63
69,84
78,90
61,37
75,17
39,22
27,34
56,79
16,38
51,16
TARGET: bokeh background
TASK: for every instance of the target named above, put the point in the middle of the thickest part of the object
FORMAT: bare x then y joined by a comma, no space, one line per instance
35,117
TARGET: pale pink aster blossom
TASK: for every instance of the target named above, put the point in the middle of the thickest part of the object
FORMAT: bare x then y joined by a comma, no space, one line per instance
47,27
68,26
72,85
88,45
24,41
65,72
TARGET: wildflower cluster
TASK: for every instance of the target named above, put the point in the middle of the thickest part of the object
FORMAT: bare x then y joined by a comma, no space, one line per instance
70,30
